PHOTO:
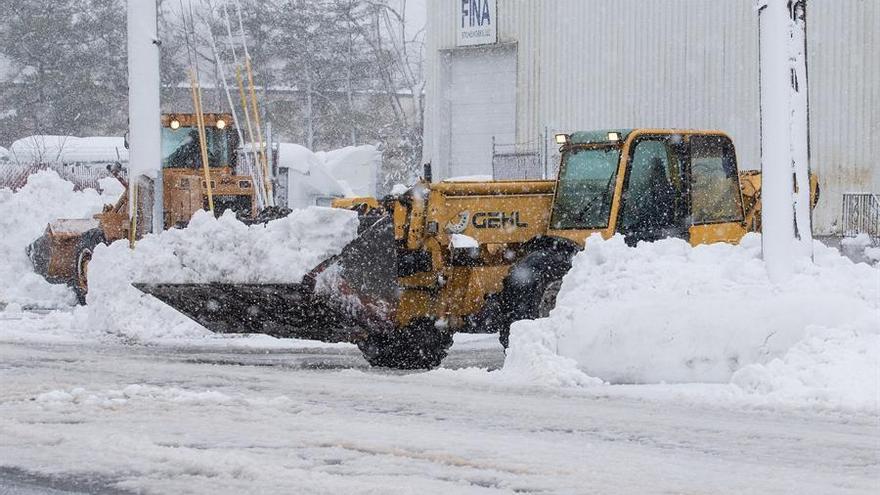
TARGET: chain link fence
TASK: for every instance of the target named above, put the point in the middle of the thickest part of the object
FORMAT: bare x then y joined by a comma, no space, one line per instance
518,161
14,176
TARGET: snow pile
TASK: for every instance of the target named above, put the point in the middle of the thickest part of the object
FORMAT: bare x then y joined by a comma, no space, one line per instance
837,367
208,250
26,213
860,247
669,312
345,172
356,167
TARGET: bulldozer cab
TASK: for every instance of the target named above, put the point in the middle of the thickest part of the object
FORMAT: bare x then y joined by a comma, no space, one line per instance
648,185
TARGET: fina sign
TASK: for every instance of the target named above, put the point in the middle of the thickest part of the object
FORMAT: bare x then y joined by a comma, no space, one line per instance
477,22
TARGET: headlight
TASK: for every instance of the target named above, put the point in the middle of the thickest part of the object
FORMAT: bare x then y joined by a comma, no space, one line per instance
175,124
221,124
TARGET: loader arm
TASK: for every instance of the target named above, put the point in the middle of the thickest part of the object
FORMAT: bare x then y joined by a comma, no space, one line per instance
750,185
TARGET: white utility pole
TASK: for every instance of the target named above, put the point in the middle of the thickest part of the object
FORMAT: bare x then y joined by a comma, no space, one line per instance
785,190
143,105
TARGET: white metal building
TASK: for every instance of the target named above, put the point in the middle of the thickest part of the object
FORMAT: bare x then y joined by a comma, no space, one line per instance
504,75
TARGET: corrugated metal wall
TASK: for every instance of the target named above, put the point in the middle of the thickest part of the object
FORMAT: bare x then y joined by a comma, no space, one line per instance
587,64
844,65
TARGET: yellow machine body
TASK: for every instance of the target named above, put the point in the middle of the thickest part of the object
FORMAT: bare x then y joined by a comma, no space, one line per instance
504,217
58,255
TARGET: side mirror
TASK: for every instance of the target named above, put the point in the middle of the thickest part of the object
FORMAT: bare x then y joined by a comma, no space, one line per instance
125,139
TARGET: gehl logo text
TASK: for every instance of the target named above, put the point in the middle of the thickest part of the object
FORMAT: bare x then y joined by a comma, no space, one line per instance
497,220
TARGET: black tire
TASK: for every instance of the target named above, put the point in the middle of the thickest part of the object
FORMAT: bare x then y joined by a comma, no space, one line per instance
82,256
418,346
529,290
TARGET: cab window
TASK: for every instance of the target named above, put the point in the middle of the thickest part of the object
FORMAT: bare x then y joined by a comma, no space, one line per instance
653,205
180,147
585,188
715,196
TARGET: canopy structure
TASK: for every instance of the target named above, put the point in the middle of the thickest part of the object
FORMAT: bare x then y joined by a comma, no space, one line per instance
50,149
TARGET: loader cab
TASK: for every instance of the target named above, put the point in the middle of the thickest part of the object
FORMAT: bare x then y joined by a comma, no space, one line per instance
185,186
648,185
181,146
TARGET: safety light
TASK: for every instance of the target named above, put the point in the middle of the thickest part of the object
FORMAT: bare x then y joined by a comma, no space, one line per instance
221,123
561,139
175,124
613,136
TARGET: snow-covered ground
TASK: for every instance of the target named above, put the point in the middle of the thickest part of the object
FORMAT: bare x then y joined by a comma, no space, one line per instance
243,415
663,369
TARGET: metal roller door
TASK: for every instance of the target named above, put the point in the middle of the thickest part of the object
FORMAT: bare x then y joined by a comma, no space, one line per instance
481,101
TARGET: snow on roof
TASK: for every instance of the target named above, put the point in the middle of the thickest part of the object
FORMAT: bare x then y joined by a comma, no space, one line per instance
68,149
356,166
349,171
296,157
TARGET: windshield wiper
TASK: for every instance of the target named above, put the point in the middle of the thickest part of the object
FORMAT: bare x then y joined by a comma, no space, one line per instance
604,197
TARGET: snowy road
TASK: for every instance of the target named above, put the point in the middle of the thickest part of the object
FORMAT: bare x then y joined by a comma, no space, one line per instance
214,418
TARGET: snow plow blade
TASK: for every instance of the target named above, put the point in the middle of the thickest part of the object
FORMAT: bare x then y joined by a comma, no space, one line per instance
336,302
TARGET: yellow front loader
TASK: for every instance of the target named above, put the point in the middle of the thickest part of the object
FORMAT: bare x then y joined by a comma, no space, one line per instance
62,254
476,256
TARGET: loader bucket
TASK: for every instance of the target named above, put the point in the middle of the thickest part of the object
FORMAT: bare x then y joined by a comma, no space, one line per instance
339,300
53,254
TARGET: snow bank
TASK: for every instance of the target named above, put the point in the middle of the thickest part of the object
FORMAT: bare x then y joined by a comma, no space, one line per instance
669,312
345,172
355,166
860,247
208,250
836,367
26,213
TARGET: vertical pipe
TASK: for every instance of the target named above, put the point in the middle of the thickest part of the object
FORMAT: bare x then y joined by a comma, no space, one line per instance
143,105
267,184
203,143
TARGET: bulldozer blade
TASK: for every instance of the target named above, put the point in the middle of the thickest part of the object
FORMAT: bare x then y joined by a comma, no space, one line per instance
339,299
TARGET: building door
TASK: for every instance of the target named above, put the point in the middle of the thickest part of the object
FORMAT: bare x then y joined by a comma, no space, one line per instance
481,104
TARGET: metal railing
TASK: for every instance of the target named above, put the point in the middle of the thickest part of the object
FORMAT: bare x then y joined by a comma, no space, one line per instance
861,214
83,176
518,161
